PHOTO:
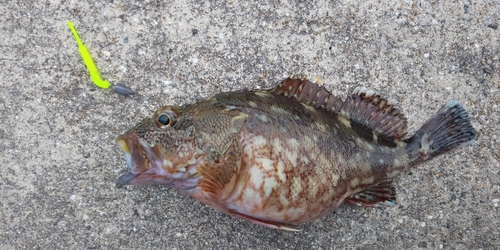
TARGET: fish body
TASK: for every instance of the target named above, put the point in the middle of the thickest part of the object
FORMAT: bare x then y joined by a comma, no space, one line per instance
288,155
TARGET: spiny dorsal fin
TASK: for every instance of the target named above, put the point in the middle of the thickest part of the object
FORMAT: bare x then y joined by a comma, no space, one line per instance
307,92
364,107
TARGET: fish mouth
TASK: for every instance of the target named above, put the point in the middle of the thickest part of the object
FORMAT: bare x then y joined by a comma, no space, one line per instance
140,157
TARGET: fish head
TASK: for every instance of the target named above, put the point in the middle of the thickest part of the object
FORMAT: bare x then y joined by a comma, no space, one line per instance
161,149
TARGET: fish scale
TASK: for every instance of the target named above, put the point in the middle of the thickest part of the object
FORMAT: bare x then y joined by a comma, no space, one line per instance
288,155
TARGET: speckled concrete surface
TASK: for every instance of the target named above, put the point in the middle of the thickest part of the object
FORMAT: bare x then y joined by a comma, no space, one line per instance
59,162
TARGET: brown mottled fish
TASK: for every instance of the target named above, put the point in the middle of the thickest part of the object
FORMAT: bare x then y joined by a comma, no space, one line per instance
289,155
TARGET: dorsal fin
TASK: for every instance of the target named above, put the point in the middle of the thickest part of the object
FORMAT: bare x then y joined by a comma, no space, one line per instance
367,108
307,92
364,107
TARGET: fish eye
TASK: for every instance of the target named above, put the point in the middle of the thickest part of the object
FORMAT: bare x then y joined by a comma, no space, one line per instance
165,119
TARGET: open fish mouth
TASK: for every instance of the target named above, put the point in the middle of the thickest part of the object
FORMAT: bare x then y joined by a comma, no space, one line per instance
140,157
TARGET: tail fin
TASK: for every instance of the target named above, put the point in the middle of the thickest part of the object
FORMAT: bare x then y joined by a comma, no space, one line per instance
448,129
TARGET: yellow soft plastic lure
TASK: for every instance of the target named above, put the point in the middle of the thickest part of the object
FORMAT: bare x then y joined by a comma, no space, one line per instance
94,73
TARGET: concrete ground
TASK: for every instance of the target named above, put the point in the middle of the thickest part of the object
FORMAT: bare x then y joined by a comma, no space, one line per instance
59,162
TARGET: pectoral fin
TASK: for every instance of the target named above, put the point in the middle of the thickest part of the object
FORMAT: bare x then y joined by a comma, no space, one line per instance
221,174
378,195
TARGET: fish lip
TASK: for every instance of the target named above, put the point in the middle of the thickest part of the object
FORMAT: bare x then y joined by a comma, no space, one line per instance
139,156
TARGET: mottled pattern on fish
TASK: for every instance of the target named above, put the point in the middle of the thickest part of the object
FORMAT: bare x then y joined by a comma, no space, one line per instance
287,155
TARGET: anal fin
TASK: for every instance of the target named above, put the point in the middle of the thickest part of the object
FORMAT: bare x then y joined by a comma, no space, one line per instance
270,224
382,194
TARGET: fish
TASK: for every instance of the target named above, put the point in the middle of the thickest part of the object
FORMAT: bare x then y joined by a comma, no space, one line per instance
288,155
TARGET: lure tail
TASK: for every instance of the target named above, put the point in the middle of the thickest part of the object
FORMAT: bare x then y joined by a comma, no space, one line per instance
94,73
448,129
